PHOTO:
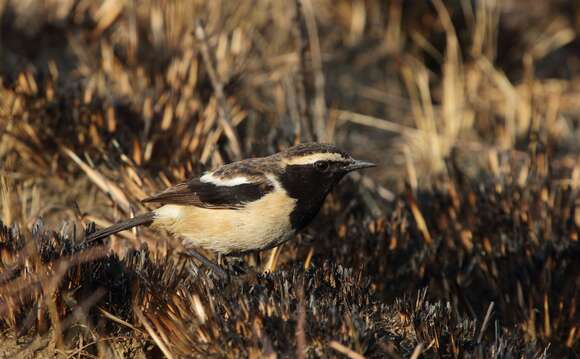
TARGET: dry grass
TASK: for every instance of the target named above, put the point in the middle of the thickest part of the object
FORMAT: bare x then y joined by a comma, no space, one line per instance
464,243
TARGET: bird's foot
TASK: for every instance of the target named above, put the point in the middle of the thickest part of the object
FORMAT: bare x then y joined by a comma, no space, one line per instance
217,270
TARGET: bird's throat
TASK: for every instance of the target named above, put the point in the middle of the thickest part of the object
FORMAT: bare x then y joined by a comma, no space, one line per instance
309,189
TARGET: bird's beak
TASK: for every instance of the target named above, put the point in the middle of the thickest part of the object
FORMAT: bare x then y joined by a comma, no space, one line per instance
357,165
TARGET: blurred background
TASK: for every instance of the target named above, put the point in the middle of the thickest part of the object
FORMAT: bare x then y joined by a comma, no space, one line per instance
103,102
167,86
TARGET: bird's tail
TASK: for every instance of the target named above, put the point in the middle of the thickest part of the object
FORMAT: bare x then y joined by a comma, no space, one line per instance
145,218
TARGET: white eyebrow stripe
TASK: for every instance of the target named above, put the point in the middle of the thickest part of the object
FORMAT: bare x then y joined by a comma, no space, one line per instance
227,182
310,159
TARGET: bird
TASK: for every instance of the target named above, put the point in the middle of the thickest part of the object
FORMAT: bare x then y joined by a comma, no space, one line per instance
246,206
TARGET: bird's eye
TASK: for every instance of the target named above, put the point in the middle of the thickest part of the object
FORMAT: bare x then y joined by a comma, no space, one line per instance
322,166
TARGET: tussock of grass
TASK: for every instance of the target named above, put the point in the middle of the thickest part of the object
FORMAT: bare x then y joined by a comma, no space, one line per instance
463,242
500,251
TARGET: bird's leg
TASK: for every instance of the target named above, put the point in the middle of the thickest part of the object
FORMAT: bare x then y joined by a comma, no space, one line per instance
257,259
223,262
215,268
220,259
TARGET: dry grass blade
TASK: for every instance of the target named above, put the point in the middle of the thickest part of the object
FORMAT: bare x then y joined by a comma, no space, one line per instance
101,181
308,260
378,123
300,323
223,108
419,219
270,265
485,321
106,15
304,129
318,105
469,108
160,344
417,352
6,200
118,320
45,272
345,350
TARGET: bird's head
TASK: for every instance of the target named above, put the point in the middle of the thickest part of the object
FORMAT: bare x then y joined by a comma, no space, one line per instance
310,171
319,162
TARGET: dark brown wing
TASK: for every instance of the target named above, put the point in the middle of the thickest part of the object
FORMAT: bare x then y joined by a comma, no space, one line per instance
208,195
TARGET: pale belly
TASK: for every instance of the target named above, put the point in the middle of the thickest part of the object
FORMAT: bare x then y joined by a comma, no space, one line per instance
259,225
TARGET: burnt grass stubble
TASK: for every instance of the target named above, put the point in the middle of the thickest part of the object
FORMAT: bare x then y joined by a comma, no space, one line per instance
484,268
498,278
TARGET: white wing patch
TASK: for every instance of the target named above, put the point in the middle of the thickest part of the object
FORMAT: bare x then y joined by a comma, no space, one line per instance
260,224
310,159
227,182
275,182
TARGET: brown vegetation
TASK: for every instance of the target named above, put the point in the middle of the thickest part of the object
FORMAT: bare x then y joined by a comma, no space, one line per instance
463,243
